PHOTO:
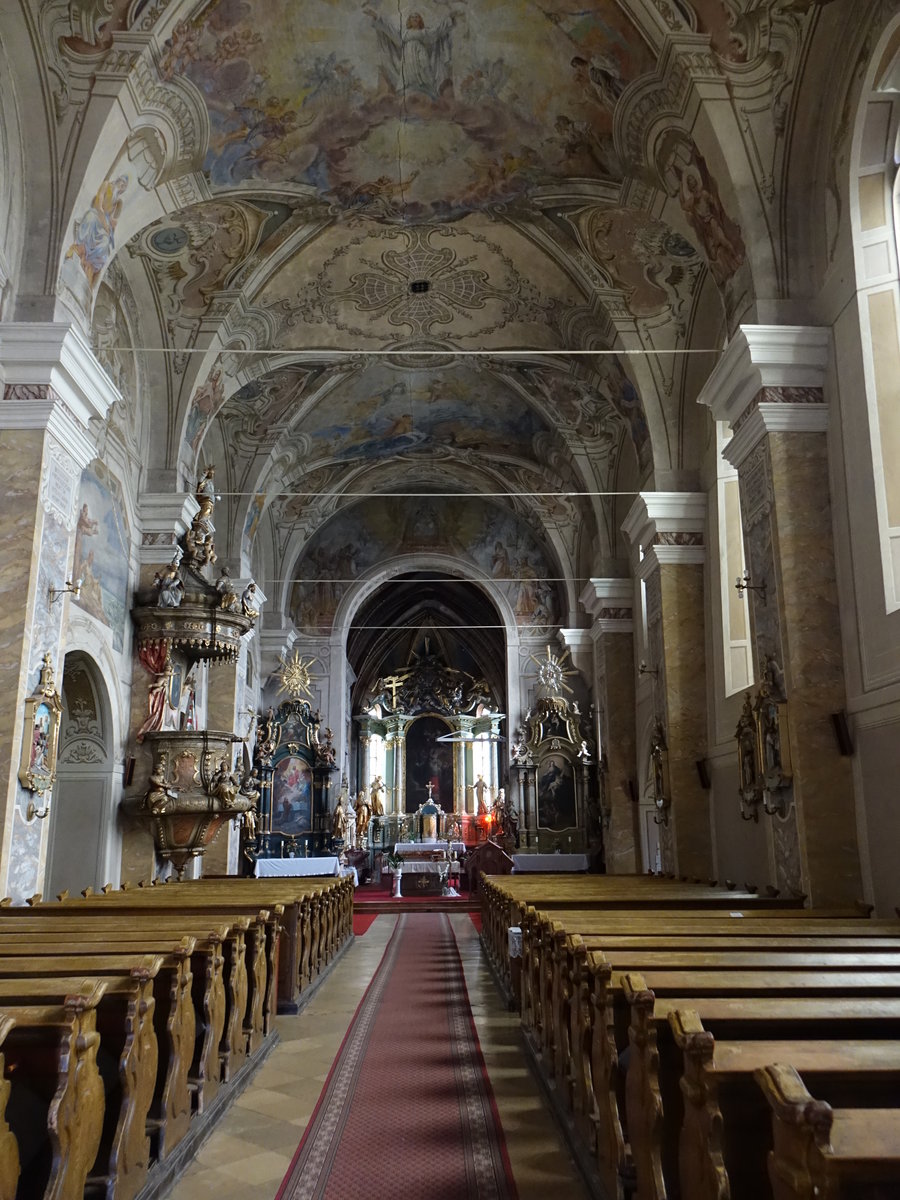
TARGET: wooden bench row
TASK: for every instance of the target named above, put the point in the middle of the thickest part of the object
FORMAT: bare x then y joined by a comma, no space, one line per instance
123,1015
667,1035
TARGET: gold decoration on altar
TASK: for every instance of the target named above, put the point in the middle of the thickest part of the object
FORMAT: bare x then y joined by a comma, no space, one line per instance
295,676
552,671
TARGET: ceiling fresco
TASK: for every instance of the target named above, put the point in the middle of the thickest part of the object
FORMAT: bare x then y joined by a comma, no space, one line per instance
468,283
428,111
384,413
498,542
379,182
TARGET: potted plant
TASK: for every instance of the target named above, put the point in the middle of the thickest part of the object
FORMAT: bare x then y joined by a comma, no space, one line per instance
395,862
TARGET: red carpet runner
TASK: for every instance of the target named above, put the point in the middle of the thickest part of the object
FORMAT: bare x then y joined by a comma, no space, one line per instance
407,1111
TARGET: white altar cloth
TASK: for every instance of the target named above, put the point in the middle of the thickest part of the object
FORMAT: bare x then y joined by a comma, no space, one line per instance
541,863
415,847
266,867
420,868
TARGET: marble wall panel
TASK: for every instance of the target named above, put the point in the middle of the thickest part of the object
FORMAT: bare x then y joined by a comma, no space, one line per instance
813,666
620,748
684,643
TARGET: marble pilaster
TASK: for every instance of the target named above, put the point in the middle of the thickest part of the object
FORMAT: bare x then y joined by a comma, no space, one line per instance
667,531
770,387
52,387
610,601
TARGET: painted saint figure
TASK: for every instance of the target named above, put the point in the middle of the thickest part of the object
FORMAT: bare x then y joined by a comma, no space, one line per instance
417,59
95,233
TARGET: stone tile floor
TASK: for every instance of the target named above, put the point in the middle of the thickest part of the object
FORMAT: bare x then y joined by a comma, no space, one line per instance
251,1149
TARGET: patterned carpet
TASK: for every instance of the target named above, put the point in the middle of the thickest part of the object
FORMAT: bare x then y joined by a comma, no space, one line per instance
407,1110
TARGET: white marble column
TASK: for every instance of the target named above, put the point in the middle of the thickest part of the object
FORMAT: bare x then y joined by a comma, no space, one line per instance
52,387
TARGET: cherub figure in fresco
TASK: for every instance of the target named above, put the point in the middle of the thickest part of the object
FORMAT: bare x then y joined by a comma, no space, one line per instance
95,232
264,129
180,50
416,58
719,236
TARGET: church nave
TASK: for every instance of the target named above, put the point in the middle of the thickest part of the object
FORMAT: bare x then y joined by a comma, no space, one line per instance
251,1149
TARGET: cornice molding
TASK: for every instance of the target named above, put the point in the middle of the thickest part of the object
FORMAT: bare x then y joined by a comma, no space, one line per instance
58,356
765,356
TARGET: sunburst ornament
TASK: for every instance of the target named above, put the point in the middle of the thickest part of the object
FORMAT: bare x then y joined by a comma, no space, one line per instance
552,671
295,676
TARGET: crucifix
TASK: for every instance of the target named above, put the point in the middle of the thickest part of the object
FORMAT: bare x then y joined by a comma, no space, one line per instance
393,683
429,788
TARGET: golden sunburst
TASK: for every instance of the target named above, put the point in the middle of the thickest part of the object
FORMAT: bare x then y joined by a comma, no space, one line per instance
295,676
552,671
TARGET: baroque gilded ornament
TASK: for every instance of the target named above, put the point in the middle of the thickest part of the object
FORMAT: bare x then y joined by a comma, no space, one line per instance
552,671
295,676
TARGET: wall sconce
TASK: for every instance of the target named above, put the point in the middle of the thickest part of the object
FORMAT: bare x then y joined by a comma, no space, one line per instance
743,584
31,811
71,587
776,809
643,669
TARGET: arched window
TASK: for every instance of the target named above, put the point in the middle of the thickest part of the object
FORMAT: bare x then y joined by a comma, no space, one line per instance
875,197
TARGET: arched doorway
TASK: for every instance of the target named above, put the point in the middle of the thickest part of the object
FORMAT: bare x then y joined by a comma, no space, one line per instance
82,832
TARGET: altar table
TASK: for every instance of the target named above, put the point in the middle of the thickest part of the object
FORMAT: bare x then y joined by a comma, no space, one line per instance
545,863
327,865
416,847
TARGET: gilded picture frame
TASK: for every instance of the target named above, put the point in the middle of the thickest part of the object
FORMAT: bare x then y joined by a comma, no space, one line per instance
40,735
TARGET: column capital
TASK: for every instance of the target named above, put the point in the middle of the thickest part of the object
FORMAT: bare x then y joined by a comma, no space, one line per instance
667,527
275,644
50,380
770,379
578,642
165,518
611,603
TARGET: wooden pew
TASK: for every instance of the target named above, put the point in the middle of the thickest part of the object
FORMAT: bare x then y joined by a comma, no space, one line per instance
652,1087
725,1134
56,1094
546,952
848,1154
217,949
245,1029
158,1075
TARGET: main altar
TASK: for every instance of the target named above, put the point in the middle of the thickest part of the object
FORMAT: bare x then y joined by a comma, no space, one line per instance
430,734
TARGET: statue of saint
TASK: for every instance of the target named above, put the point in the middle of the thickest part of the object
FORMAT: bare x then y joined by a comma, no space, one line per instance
350,817
481,793
160,797
169,588
339,820
250,601
363,816
224,785
377,794
228,598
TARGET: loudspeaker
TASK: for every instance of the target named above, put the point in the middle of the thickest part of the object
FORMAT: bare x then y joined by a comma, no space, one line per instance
842,733
703,773
632,791
127,772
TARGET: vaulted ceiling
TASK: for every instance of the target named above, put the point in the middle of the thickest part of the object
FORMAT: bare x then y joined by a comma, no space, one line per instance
414,279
